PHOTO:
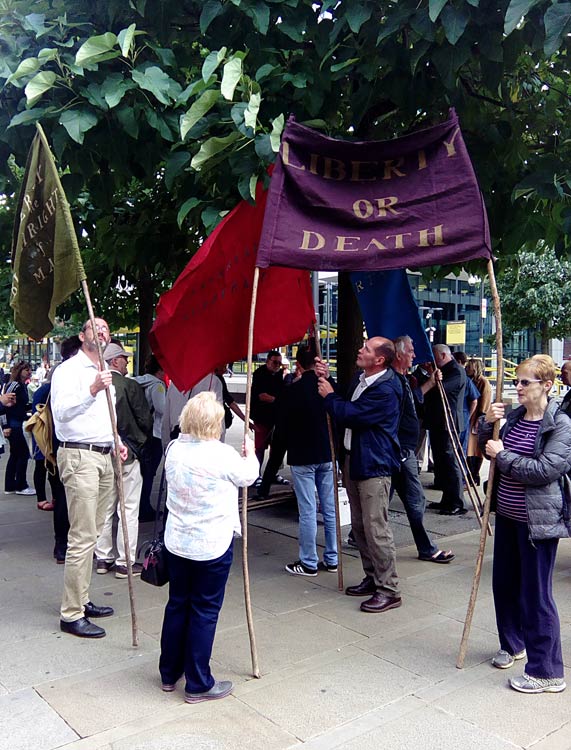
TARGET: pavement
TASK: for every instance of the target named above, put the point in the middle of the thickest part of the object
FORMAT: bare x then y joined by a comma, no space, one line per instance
332,677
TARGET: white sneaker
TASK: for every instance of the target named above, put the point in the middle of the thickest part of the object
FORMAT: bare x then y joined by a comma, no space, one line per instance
27,491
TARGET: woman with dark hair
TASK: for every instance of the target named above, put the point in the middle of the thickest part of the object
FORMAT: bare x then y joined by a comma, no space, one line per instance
475,371
15,478
532,514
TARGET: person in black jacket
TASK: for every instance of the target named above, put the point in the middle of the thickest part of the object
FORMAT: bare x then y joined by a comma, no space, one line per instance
303,419
447,474
15,480
370,418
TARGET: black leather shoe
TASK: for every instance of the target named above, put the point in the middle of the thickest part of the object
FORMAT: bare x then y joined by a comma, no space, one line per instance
380,602
434,506
82,628
366,587
454,512
91,610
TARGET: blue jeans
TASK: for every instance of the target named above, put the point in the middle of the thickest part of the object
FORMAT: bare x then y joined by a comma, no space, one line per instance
196,593
305,481
407,484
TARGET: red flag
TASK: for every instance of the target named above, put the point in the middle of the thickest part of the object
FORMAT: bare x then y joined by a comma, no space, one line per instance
203,320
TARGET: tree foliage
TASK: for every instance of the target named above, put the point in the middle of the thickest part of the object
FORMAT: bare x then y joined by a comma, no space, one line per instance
536,293
164,114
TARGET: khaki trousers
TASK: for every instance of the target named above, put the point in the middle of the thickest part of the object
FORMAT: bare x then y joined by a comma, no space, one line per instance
89,487
132,484
369,503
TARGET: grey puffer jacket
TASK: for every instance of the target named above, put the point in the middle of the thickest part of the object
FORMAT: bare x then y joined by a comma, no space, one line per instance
548,513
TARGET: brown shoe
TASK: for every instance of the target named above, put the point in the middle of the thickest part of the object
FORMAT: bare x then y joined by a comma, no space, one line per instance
366,587
380,602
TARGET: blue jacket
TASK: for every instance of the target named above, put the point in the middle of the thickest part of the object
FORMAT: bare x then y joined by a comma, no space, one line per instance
374,420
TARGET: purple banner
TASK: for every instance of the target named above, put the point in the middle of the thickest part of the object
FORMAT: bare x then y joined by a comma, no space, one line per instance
364,206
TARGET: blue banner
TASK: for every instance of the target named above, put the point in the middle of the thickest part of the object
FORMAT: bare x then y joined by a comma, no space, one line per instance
390,310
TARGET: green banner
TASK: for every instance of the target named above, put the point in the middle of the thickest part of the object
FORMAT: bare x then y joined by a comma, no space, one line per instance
46,262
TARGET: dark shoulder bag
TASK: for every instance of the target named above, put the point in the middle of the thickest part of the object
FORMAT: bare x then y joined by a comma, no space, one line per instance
155,568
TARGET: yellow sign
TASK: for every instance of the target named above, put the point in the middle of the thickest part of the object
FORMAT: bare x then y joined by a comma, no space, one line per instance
456,333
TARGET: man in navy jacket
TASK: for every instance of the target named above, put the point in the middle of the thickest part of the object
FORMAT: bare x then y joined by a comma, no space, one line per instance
370,419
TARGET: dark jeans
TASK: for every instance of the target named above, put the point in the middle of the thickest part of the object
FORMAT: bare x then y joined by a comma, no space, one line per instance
149,466
15,478
61,520
196,593
526,614
447,473
407,484
278,449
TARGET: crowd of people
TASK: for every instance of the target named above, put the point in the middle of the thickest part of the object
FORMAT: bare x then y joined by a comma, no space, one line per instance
376,430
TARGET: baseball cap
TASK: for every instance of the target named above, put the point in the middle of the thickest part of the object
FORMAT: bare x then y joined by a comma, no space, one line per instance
114,350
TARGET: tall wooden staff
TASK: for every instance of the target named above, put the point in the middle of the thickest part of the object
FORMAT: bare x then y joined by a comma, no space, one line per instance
335,479
118,472
486,513
245,570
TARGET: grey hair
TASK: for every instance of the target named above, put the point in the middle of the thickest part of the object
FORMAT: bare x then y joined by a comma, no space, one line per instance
442,349
400,343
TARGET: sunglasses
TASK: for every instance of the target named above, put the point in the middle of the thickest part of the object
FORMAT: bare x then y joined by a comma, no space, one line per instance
525,382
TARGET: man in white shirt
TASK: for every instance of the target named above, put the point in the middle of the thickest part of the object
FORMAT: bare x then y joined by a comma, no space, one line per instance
83,428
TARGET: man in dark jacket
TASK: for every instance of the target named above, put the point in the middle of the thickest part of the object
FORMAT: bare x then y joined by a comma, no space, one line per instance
566,378
370,418
135,426
303,419
447,474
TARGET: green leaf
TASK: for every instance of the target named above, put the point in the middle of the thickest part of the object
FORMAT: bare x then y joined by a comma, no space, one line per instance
356,16
159,123
251,113
264,147
434,8
175,164
156,81
260,15
95,47
38,86
210,148
210,10
557,20
517,9
293,32
211,217
212,62
94,96
187,206
125,39
128,120
230,77
264,71
454,22
346,64
253,184
27,117
114,88
35,22
77,122
26,68
276,134
46,54
198,109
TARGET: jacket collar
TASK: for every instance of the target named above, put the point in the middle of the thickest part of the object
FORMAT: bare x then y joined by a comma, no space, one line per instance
548,421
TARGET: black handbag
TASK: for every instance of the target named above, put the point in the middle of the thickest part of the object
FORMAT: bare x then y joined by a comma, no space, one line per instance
155,566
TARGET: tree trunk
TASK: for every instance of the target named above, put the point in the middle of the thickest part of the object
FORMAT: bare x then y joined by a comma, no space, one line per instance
349,330
544,338
146,314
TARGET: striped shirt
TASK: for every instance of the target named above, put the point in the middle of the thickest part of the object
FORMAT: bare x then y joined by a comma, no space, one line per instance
511,494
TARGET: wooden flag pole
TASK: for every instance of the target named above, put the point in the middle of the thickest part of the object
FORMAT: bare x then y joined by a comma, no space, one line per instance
486,513
245,570
118,472
340,584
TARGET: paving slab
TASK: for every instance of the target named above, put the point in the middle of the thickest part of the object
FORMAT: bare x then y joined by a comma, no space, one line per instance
28,723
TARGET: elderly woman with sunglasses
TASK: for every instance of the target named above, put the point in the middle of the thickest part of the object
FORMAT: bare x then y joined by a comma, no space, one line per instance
532,456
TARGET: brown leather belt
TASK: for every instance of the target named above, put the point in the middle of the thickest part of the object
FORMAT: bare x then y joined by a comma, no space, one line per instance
88,447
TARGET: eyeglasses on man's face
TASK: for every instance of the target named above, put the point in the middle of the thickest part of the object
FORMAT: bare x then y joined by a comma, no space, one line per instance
525,382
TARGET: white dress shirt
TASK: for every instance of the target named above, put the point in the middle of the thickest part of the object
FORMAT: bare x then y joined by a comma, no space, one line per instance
362,385
78,416
203,477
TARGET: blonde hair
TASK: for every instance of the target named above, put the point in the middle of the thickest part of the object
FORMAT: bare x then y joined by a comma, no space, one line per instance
542,366
202,417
